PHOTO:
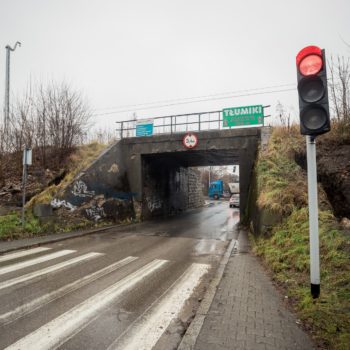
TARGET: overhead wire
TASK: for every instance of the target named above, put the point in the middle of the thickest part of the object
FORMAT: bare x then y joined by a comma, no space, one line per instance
194,97
146,106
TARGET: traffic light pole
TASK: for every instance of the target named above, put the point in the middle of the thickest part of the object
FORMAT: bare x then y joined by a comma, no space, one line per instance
313,216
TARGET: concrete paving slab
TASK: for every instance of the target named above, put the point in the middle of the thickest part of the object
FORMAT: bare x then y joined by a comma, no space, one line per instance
247,311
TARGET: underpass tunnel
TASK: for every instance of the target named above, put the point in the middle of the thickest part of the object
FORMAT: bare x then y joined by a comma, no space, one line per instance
171,183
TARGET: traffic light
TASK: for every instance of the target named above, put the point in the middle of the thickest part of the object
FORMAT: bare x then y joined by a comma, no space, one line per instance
312,90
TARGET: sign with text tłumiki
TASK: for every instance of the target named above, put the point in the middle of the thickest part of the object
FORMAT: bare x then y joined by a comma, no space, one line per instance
238,116
144,127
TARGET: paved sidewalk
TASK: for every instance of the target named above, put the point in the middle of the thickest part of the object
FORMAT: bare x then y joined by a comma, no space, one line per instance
247,311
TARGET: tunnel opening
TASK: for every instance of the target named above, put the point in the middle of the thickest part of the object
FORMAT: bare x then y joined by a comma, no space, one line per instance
172,182
158,167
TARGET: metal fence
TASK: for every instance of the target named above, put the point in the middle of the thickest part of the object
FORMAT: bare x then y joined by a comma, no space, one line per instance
177,123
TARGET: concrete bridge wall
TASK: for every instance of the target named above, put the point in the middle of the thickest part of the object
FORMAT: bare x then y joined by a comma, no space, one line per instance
150,176
219,147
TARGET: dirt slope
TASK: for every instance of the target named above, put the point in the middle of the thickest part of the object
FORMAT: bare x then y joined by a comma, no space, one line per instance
334,174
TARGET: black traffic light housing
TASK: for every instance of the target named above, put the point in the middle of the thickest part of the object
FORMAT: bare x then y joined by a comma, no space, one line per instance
312,91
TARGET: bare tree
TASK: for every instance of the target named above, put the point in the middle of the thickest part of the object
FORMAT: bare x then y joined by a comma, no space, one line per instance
102,135
283,115
64,117
52,118
340,88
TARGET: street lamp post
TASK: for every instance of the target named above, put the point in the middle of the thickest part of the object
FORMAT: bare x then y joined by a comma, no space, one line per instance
7,87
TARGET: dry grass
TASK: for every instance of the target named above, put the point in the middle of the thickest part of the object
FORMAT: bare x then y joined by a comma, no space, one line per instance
282,187
77,161
281,182
286,253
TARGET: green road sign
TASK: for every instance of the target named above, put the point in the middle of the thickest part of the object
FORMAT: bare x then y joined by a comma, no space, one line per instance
248,115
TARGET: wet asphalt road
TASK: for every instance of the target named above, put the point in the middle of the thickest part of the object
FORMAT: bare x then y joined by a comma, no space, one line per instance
133,287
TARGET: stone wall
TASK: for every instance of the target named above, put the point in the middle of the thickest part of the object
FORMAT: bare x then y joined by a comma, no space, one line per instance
195,193
169,190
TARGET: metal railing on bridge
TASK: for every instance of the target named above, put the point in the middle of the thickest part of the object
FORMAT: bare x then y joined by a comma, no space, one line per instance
177,123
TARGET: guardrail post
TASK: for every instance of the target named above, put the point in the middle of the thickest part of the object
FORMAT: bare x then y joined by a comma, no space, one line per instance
121,130
199,122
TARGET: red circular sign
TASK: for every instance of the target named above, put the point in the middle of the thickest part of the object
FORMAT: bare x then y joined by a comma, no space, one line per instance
190,140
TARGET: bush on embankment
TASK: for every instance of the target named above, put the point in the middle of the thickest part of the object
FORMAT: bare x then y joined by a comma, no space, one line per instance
11,224
282,187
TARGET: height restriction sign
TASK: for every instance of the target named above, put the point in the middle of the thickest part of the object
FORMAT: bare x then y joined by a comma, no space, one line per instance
190,140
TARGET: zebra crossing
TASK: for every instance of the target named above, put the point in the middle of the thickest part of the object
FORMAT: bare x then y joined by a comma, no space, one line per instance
143,332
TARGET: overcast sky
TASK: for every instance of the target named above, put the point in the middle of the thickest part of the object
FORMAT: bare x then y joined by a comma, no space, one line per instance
132,52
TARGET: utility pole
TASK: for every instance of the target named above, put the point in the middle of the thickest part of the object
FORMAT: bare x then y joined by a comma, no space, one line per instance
7,88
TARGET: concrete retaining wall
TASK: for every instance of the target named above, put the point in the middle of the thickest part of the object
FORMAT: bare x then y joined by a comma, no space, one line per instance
102,190
261,220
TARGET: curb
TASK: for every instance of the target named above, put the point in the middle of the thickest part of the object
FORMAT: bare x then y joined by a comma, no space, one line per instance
6,247
189,339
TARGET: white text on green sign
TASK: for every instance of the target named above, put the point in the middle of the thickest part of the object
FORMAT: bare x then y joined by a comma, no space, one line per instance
248,115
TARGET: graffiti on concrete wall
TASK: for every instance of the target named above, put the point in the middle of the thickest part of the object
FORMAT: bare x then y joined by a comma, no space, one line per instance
153,203
95,213
57,203
80,189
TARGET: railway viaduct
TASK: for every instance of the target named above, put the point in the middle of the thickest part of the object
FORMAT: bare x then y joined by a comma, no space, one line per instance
153,174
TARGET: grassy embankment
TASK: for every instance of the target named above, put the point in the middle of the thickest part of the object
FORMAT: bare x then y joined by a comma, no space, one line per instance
282,186
11,226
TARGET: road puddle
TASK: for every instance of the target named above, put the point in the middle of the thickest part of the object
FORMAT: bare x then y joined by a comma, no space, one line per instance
205,247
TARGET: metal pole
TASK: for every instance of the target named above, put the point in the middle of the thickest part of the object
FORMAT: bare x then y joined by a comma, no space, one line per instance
7,87
313,216
24,180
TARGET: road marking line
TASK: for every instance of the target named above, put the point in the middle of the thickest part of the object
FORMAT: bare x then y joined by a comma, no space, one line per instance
31,306
46,270
58,331
22,253
31,262
148,328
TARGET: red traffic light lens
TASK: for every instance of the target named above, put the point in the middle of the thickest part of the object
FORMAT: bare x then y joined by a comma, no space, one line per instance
309,60
310,65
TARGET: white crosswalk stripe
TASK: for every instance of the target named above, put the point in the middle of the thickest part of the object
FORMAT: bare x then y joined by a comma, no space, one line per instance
22,310
142,334
149,327
31,262
32,275
16,255
56,332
